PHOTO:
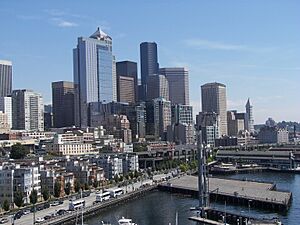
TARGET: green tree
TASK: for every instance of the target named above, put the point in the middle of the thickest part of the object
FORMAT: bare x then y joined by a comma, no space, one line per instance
57,189
19,198
5,205
18,151
33,197
77,186
116,178
46,194
95,184
68,188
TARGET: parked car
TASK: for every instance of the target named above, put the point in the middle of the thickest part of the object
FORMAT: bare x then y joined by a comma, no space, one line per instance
55,203
18,215
46,205
3,220
61,212
61,202
39,220
26,211
47,217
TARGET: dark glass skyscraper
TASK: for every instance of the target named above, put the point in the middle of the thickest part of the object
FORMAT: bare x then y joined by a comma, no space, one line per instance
63,104
128,69
149,64
5,78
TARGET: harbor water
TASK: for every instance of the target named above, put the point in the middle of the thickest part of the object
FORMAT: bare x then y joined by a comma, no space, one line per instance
160,208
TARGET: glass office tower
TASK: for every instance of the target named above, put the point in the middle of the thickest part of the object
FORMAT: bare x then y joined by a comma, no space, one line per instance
94,74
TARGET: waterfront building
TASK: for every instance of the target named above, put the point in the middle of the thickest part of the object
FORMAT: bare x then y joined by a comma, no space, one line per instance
178,80
94,74
129,69
162,117
214,99
27,110
14,177
276,159
6,107
125,89
63,104
117,164
157,87
149,64
5,78
249,122
271,135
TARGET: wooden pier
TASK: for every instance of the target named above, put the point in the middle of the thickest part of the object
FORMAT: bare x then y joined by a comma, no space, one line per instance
257,194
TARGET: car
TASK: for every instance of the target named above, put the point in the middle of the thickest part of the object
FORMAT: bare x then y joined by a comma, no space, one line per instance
47,217
39,220
55,203
3,220
18,215
61,202
39,208
61,212
26,211
46,205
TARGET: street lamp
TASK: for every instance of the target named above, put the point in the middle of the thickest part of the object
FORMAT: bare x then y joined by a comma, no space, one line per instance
249,205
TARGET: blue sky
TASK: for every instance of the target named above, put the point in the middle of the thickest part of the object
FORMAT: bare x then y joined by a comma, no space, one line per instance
251,46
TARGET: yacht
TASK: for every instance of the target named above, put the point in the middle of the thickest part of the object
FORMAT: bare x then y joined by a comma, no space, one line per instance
125,221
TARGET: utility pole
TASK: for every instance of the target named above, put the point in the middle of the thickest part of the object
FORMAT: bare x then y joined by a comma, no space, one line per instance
202,176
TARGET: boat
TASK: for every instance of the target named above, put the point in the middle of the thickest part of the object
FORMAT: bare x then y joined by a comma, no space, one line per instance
124,221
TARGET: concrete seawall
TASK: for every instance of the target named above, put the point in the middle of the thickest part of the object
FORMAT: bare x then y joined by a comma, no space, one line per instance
90,211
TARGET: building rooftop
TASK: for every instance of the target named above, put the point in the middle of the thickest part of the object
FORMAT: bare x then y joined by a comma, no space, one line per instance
100,35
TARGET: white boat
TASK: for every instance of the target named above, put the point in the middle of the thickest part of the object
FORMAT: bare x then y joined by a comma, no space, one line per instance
125,221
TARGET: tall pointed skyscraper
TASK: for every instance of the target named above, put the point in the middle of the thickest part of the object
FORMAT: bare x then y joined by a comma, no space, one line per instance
249,117
94,74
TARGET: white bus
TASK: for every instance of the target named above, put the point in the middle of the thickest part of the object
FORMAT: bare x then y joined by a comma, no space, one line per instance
115,192
103,196
76,204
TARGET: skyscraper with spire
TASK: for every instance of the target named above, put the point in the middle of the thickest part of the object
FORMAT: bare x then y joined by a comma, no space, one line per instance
249,117
94,69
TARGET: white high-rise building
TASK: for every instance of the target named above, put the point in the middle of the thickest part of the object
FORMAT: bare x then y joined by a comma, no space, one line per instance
27,110
94,74
249,117
162,117
214,100
6,107
157,87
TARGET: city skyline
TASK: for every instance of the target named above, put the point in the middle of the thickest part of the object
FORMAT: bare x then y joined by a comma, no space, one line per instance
261,62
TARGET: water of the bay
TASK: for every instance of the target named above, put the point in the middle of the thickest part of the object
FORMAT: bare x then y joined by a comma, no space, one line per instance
159,208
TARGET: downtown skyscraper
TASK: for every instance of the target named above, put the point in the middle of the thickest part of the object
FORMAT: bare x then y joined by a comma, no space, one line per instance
5,78
214,100
178,79
63,103
94,74
149,65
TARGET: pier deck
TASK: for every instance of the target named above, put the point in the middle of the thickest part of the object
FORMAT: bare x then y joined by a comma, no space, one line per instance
236,190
